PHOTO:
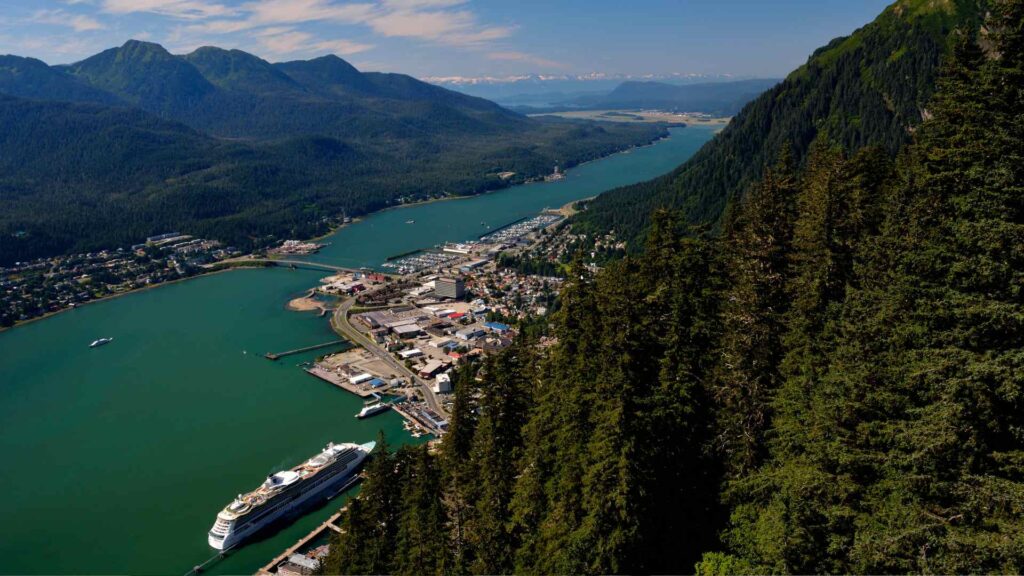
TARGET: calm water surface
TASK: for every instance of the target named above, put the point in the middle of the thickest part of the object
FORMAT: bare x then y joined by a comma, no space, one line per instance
117,459
386,233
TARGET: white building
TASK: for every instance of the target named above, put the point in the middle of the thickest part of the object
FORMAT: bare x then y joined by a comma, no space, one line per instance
443,384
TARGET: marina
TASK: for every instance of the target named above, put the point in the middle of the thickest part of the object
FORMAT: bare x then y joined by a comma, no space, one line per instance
420,261
516,231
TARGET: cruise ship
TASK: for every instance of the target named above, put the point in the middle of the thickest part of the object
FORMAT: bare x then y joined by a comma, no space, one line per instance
286,492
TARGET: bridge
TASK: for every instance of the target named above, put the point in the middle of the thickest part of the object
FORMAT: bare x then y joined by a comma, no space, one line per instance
304,264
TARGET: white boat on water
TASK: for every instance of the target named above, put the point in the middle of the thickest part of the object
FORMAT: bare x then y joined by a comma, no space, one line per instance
100,342
287,492
372,409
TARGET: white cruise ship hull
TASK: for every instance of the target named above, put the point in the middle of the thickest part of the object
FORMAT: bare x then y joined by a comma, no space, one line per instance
234,537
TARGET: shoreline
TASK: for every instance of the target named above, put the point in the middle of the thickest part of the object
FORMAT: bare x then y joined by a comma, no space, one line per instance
239,263
134,291
496,190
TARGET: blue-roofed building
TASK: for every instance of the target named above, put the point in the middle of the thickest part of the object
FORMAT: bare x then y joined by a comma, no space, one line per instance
497,327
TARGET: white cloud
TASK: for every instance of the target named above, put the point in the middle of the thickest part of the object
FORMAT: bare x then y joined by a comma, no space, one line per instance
430,20
183,9
458,27
284,41
262,23
298,11
79,22
343,47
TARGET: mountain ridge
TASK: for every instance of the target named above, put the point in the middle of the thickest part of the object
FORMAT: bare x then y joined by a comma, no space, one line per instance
866,89
225,145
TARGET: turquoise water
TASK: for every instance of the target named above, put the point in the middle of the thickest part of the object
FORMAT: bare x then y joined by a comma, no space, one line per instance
117,459
386,233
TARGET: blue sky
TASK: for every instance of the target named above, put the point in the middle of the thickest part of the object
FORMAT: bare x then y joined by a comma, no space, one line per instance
470,38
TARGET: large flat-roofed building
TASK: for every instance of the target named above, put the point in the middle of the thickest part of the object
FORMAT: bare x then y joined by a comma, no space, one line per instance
454,288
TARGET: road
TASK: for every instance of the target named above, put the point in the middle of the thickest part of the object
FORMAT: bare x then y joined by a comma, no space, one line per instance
341,325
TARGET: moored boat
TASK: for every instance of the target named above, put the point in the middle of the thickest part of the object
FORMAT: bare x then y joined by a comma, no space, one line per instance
372,409
286,493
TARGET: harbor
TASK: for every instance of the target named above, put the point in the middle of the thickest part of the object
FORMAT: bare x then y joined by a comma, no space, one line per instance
119,435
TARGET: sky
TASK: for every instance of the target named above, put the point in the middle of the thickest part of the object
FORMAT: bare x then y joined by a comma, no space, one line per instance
454,38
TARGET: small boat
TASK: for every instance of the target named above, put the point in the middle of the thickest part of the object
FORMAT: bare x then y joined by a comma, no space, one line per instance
371,409
410,221
100,342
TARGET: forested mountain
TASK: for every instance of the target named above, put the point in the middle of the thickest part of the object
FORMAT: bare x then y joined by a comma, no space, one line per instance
833,384
136,141
718,98
230,93
31,78
867,89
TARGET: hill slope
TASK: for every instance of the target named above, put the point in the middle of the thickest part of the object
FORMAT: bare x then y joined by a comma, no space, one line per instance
84,176
31,78
230,93
866,89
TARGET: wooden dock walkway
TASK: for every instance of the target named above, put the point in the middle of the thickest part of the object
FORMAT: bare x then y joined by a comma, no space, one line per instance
279,355
328,524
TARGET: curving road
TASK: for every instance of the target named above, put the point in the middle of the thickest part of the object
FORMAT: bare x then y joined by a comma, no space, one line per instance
341,325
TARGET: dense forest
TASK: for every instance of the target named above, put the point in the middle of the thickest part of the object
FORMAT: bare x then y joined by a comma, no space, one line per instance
136,141
868,89
833,382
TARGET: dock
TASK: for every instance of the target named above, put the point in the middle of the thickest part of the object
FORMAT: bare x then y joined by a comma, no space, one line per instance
418,420
278,355
329,524
339,381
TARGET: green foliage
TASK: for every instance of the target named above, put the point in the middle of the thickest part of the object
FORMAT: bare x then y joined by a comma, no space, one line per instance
833,385
851,78
719,564
221,144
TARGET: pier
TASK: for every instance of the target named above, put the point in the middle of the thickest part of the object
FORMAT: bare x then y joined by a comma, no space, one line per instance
329,524
418,420
278,355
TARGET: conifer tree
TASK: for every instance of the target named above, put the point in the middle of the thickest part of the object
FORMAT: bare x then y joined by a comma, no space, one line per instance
422,542
756,262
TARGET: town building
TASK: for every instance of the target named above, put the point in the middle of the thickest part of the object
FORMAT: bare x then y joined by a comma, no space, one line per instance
443,384
453,288
471,333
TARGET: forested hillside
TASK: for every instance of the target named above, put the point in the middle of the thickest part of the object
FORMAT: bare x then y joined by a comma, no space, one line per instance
136,141
833,384
868,89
